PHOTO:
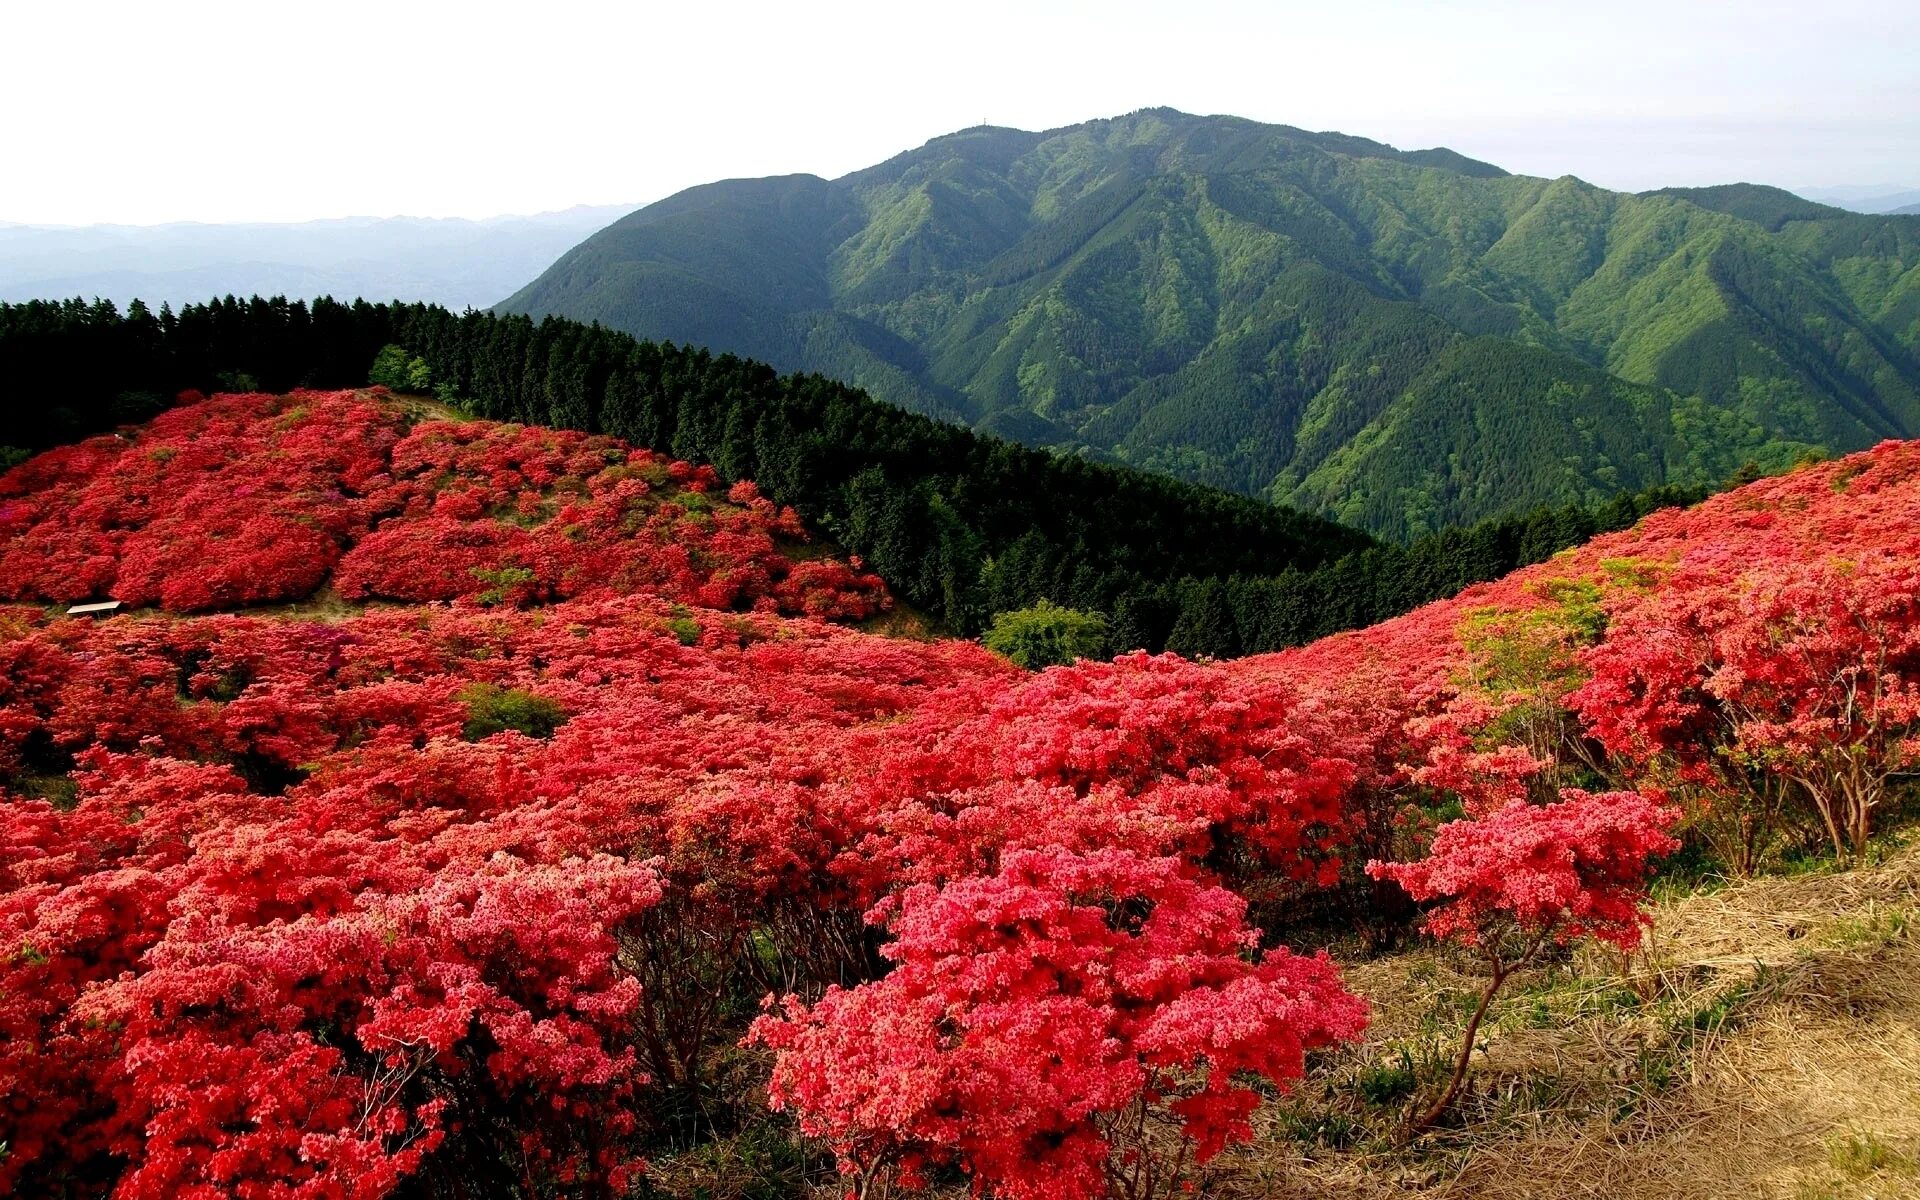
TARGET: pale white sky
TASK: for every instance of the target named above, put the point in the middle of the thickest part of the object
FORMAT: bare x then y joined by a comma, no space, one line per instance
267,110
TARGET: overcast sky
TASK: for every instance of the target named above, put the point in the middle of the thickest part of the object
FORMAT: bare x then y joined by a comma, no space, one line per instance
190,110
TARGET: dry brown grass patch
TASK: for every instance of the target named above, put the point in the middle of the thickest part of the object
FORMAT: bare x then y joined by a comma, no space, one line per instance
1766,1043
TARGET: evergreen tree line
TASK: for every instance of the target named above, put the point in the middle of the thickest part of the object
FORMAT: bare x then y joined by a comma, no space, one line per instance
1253,614
961,525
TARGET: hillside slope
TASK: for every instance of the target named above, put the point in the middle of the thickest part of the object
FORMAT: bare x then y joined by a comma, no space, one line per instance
247,500
1776,1059
965,525
1402,340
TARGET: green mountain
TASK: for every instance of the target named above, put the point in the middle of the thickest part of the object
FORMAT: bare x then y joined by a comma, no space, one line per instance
1400,340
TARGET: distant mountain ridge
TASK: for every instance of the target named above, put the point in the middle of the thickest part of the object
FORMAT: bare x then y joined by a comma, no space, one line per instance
1868,198
449,261
1400,340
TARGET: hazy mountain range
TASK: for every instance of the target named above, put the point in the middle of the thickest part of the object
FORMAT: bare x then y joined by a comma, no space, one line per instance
1402,340
1868,198
450,261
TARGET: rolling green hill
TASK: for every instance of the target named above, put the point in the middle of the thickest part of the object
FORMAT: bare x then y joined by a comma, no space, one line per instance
1401,340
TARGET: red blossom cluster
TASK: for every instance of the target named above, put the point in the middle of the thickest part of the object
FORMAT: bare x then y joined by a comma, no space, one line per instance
1755,659
1736,681
1036,1016
1574,868
1514,881
294,921
214,504
286,786
253,499
470,895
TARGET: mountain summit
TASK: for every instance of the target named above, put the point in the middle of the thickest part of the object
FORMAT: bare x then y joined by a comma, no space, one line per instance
1399,339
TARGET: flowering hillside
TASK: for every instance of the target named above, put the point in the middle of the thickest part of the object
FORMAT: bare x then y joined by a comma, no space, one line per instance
257,499
483,897
1755,658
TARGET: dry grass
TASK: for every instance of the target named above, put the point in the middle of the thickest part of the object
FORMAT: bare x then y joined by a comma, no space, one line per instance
325,606
900,621
419,407
1766,1043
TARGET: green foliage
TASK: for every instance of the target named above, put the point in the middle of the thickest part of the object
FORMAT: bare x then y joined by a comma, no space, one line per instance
1047,635
1320,1128
58,790
1384,1084
389,367
1206,627
492,709
502,583
394,369
1860,1154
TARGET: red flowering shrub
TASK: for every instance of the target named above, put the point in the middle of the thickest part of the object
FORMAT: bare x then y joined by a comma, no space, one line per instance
232,501
1510,882
1038,1019
1574,868
1223,751
437,558
447,1020
1757,670
1733,685
331,852
822,588
253,499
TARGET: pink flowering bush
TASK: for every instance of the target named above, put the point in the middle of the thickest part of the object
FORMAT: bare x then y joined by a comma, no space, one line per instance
471,890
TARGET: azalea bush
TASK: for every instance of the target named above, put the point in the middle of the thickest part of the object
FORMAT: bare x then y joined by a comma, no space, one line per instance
447,876
1754,688
1514,882
1039,1020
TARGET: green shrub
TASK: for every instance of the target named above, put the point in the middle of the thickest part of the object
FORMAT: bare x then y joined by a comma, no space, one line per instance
394,370
1047,635
491,709
508,583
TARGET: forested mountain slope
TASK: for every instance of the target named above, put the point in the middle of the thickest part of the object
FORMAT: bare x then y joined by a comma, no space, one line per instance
1400,340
